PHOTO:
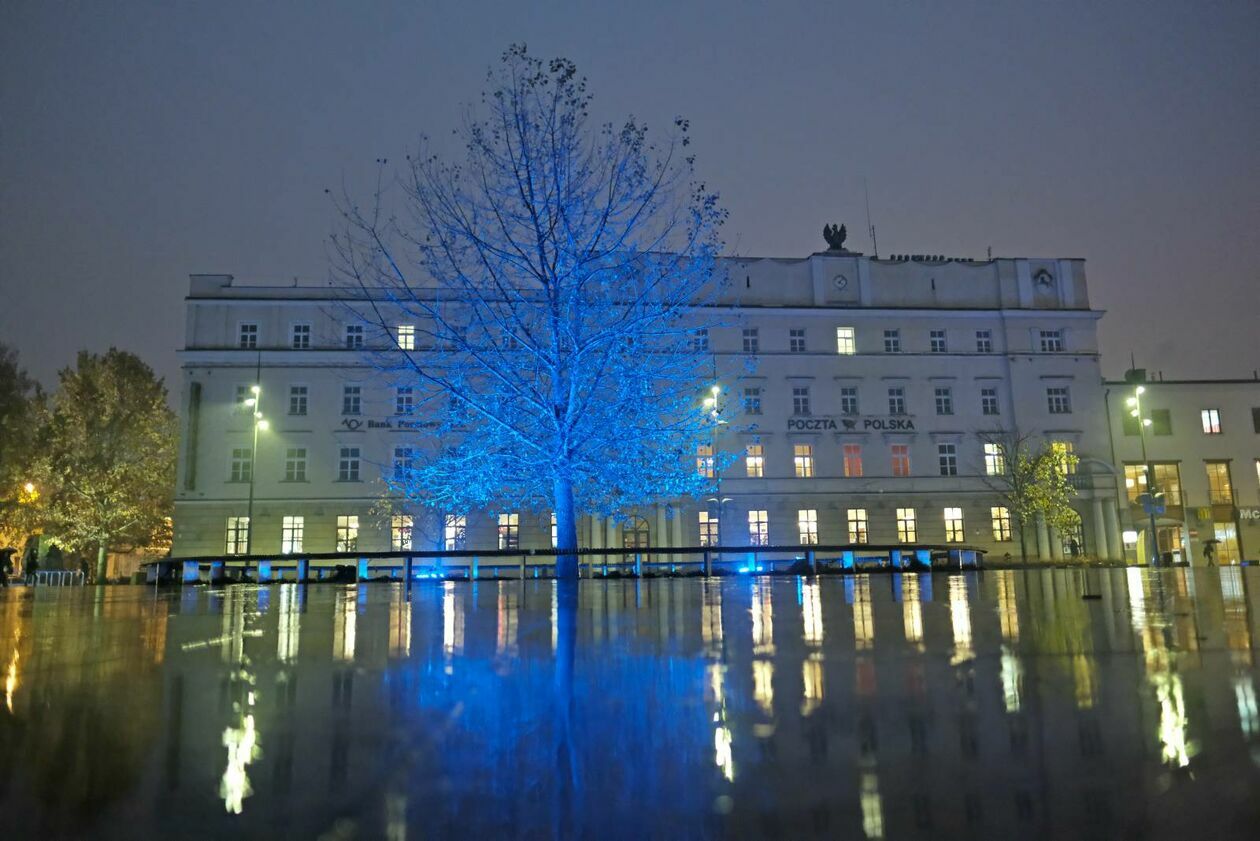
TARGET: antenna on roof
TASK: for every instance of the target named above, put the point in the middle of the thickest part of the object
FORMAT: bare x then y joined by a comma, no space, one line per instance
870,227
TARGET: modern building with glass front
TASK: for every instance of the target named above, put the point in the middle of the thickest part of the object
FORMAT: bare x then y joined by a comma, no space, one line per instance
860,399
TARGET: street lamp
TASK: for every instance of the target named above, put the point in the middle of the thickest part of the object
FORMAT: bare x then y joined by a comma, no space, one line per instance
1135,411
260,423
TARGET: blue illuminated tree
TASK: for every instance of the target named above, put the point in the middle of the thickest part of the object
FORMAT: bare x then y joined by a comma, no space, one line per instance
556,279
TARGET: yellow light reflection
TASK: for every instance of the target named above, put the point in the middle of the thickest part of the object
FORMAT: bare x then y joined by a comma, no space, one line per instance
763,685
1008,607
811,614
1012,680
452,623
812,679
863,621
722,755
290,624
345,618
242,749
1085,679
872,806
1245,699
11,674
960,619
762,618
711,619
400,625
912,610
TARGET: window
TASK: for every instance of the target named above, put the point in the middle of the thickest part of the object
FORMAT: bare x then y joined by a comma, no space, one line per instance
1211,421
1001,518
291,530
758,528
901,459
936,339
846,341
348,465
354,336
1064,456
807,525
708,529
947,455
803,460
1051,341
295,464
752,401
994,460
297,399
404,400
796,340
454,532
1220,490
704,460
984,341
751,341
755,461
1168,481
944,401
954,531
907,529
989,401
351,399
301,337
1255,418
800,400
237,536
852,460
242,465
1058,401
348,533
247,335
400,526
406,337
892,341
897,401
700,340
1161,421
857,525
404,463
509,531
848,400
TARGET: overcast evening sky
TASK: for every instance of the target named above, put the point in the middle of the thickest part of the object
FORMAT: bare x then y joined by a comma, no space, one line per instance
141,142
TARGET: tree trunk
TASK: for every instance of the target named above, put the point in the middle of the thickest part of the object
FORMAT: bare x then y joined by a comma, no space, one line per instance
100,562
566,529
1023,543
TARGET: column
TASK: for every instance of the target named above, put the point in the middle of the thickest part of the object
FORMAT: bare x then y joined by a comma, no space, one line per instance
611,541
1100,528
660,537
1043,539
1111,517
678,531
1056,544
597,538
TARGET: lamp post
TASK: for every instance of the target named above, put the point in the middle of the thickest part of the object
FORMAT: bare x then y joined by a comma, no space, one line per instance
715,413
1135,404
260,423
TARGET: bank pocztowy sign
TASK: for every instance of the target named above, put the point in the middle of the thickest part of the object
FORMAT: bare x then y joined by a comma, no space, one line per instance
355,424
854,424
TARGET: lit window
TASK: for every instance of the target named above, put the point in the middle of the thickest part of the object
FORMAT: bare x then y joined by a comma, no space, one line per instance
351,399
509,531
247,335
354,336
297,399
937,341
348,465
242,465
1051,341
892,341
404,463
901,459
400,526
852,460
989,401
752,401
846,341
800,400
1001,517
1135,481
984,341
454,532
994,460
755,461
404,400
897,401
807,525
857,525
796,340
1065,459
947,457
291,531
301,336
1211,421
1220,489
348,533
237,536
1058,401
954,531
752,343
406,337
708,529
944,401
295,464
848,400
700,340
907,529
704,460
758,528
803,460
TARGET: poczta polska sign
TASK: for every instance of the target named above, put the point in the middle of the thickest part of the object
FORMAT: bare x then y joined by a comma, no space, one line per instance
854,424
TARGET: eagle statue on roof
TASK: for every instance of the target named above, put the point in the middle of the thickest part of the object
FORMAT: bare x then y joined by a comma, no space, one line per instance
835,236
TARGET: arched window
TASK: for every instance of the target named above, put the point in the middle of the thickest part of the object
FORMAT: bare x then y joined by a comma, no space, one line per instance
635,534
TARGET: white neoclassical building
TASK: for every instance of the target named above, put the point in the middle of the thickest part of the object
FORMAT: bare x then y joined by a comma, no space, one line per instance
859,392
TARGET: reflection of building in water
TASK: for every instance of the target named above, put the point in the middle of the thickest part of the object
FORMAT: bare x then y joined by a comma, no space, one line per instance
506,618
345,621
452,621
763,644
289,627
872,806
863,622
912,610
960,619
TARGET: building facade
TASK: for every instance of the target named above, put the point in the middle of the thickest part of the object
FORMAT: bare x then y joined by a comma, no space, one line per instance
861,398
1202,443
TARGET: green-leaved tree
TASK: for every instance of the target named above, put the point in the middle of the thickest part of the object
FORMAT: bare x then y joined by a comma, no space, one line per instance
19,422
1032,478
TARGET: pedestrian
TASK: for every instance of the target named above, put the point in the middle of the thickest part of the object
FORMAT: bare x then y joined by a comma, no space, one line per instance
6,564
1209,552
1074,548
30,559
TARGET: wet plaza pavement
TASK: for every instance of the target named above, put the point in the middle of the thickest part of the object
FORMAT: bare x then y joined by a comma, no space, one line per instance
1003,704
